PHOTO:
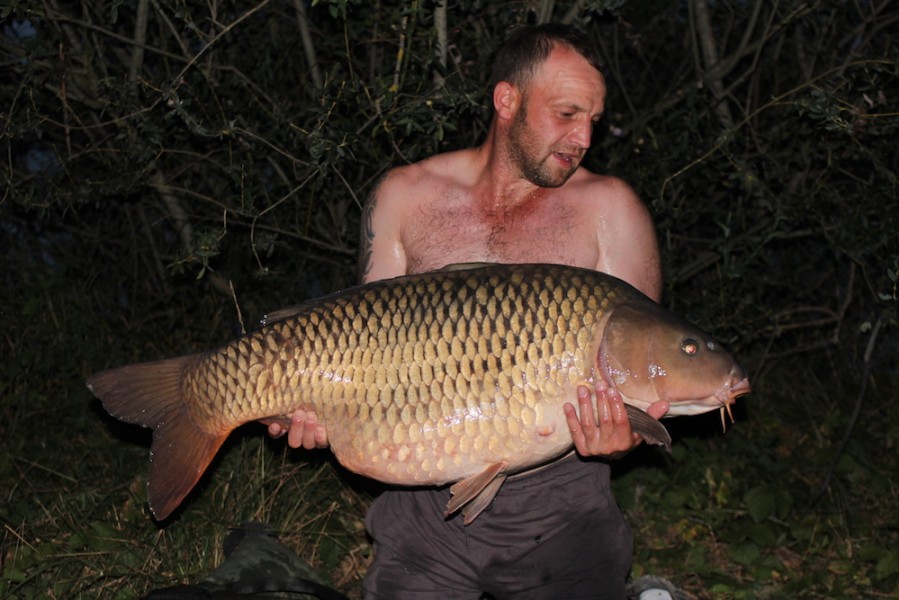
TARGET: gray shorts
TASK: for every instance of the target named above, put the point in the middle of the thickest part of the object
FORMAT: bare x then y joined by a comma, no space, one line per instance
555,534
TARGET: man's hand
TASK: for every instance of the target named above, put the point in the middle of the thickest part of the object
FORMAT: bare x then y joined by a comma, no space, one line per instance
610,434
303,431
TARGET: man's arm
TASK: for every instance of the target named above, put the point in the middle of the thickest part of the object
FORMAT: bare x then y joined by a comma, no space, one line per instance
381,253
627,240
628,250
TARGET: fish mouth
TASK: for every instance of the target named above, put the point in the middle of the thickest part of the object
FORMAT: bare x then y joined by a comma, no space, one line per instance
721,399
729,394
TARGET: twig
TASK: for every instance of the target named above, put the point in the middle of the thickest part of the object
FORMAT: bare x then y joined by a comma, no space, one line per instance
400,56
176,211
780,100
308,47
116,36
710,58
573,12
855,413
59,474
179,78
183,226
243,329
442,40
173,30
160,269
544,11
140,40
63,97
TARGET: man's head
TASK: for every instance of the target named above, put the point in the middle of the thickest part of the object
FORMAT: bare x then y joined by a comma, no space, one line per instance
548,93
521,55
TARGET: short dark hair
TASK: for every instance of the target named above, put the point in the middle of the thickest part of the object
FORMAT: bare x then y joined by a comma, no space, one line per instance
526,49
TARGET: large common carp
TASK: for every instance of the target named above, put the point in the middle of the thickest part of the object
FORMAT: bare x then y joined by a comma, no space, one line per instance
456,375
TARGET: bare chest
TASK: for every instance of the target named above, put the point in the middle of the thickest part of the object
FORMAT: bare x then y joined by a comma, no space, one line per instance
549,232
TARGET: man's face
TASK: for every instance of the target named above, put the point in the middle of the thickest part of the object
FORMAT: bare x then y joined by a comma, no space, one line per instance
552,127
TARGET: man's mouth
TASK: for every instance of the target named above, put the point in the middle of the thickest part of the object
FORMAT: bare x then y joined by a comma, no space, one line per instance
567,159
570,159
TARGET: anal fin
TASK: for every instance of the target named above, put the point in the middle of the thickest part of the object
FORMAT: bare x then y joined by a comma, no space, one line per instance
474,494
480,502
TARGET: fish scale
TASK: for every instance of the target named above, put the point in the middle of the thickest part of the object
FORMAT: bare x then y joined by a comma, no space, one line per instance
451,376
498,306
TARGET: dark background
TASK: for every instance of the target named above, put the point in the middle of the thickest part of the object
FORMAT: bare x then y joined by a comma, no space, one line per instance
173,170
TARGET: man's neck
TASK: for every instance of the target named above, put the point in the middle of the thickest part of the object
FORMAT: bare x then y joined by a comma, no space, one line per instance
500,184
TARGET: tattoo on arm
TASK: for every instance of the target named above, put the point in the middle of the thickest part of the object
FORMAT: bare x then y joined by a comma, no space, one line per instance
366,237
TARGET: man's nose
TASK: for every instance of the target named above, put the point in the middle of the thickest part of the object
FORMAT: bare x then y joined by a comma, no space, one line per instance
581,135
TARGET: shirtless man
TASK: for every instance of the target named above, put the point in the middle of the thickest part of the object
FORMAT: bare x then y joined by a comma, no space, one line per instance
520,197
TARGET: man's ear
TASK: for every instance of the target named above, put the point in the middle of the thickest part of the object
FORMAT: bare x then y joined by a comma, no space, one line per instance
506,100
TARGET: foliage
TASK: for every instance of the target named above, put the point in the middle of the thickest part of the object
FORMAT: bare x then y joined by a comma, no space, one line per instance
171,171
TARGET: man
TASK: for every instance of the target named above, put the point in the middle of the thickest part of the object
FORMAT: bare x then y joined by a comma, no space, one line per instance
520,197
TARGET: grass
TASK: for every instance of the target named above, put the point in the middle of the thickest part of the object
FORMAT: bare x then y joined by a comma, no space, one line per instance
85,532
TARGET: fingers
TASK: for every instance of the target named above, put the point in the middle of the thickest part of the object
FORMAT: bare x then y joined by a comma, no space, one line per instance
275,430
603,431
578,428
659,409
304,431
297,431
320,436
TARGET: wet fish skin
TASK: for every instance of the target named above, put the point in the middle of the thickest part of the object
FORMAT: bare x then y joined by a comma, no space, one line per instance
449,376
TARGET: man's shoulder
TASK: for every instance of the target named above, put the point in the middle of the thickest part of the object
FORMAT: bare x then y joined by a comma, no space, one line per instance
595,182
606,191
448,166
426,178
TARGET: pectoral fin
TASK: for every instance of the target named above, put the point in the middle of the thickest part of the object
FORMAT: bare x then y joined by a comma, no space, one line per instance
475,493
648,428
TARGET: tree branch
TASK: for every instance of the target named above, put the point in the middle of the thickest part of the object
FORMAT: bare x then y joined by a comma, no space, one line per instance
140,40
442,40
707,44
308,47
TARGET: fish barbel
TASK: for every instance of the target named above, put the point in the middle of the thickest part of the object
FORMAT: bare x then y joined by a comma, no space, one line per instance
456,375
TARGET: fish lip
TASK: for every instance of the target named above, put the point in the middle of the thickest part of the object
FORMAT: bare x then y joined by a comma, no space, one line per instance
740,388
723,398
728,394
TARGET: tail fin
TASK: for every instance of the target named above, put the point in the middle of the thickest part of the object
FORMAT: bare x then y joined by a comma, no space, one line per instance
151,394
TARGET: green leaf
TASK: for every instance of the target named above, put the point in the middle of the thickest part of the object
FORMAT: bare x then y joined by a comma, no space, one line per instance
744,553
761,502
888,565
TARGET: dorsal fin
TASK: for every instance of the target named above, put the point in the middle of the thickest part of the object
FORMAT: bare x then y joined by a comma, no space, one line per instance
281,314
465,266
287,312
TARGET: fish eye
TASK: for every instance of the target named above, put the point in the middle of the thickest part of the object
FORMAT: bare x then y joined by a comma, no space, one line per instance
690,347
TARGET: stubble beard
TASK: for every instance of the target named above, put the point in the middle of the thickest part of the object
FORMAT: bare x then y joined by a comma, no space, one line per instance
524,148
